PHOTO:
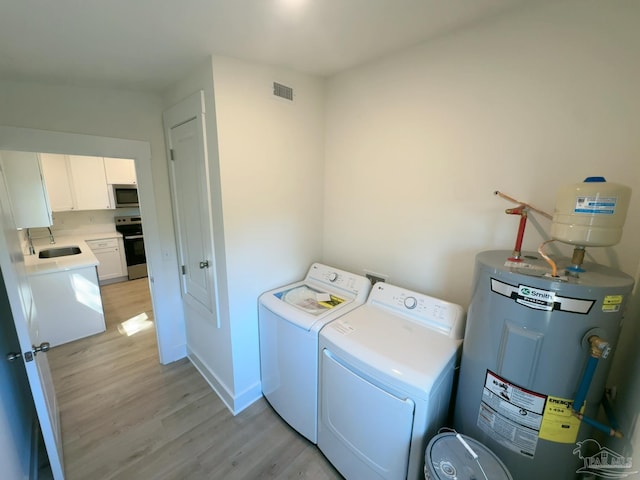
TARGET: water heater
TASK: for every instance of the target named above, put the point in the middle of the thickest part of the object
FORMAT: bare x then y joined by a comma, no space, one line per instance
525,351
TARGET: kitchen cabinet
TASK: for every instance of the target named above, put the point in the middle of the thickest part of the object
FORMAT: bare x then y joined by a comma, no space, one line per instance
89,182
110,254
27,191
120,171
68,305
57,178
75,182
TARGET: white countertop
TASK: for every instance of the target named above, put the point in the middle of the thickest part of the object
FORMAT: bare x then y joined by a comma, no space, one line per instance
40,266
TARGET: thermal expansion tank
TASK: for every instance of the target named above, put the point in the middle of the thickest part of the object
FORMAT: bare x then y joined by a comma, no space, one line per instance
524,353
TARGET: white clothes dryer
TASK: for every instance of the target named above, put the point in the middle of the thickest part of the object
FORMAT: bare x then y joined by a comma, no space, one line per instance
386,375
290,319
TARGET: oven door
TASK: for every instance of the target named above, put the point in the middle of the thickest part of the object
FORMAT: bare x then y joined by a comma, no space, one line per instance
134,253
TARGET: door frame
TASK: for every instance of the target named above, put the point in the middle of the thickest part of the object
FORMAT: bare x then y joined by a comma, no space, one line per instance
33,140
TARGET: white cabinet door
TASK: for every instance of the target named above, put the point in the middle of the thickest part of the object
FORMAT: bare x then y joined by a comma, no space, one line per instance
68,304
27,191
89,182
75,182
55,169
107,251
120,171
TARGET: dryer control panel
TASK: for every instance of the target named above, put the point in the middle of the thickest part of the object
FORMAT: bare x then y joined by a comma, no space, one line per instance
440,315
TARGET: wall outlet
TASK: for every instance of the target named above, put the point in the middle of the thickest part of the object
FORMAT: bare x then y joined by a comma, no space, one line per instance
375,277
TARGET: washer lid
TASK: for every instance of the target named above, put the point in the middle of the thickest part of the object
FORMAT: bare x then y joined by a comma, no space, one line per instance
299,305
401,352
311,300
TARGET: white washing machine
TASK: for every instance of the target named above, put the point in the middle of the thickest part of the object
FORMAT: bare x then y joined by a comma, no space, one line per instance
386,375
290,318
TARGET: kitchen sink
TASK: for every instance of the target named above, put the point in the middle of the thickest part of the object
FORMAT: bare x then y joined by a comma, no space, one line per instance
59,252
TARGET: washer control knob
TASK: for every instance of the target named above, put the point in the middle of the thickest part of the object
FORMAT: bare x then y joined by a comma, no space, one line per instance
333,277
410,302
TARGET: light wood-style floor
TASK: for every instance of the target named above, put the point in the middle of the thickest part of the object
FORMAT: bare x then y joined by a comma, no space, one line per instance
125,416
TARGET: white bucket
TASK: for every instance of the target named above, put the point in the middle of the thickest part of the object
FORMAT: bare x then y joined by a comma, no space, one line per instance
591,213
447,457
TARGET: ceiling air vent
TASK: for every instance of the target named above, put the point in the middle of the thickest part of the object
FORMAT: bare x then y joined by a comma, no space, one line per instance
282,91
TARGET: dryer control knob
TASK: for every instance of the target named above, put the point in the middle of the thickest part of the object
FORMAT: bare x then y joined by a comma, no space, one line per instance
410,302
333,277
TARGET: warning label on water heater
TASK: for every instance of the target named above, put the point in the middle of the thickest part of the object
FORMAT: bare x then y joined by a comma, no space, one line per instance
511,415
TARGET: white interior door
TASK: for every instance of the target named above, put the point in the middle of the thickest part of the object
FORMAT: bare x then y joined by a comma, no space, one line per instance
21,303
192,206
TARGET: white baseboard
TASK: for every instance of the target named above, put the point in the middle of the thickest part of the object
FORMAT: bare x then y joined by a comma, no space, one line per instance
172,354
235,404
219,387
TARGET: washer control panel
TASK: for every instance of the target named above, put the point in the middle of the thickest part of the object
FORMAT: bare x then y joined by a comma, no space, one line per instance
440,315
339,279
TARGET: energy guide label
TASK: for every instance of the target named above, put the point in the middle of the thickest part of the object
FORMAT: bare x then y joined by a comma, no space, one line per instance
511,415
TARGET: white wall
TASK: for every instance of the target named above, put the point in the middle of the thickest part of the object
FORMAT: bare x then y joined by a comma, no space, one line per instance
271,157
120,115
268,154
525,103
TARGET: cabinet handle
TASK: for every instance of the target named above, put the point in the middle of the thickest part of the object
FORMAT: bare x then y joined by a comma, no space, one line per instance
204,264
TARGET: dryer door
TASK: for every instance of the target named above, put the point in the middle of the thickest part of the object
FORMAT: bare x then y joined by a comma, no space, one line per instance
364,431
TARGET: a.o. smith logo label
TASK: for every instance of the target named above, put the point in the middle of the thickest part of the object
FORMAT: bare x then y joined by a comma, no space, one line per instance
539,299
535,298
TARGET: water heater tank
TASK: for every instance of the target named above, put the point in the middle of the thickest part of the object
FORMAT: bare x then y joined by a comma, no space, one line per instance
591,213
524,353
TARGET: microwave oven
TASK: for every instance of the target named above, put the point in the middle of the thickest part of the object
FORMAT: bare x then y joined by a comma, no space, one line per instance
125,196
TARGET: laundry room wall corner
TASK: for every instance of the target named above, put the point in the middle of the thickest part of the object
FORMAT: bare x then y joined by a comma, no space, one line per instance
271,170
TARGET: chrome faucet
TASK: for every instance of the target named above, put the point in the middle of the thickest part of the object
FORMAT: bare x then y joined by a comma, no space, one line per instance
32,251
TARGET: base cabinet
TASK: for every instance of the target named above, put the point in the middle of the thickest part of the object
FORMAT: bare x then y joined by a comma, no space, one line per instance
109,253
68,305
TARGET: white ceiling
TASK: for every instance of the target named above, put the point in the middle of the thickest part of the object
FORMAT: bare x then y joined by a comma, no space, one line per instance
149,44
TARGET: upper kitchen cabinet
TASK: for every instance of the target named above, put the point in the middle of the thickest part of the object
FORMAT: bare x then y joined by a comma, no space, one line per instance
57,177
120,171
89,182
76,182
27,191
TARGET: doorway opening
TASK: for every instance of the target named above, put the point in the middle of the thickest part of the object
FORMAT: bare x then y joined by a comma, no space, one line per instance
169,323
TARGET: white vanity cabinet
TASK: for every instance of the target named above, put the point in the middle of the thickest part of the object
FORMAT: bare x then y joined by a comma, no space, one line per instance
120,171
29,199
110,254
75,182
68,304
